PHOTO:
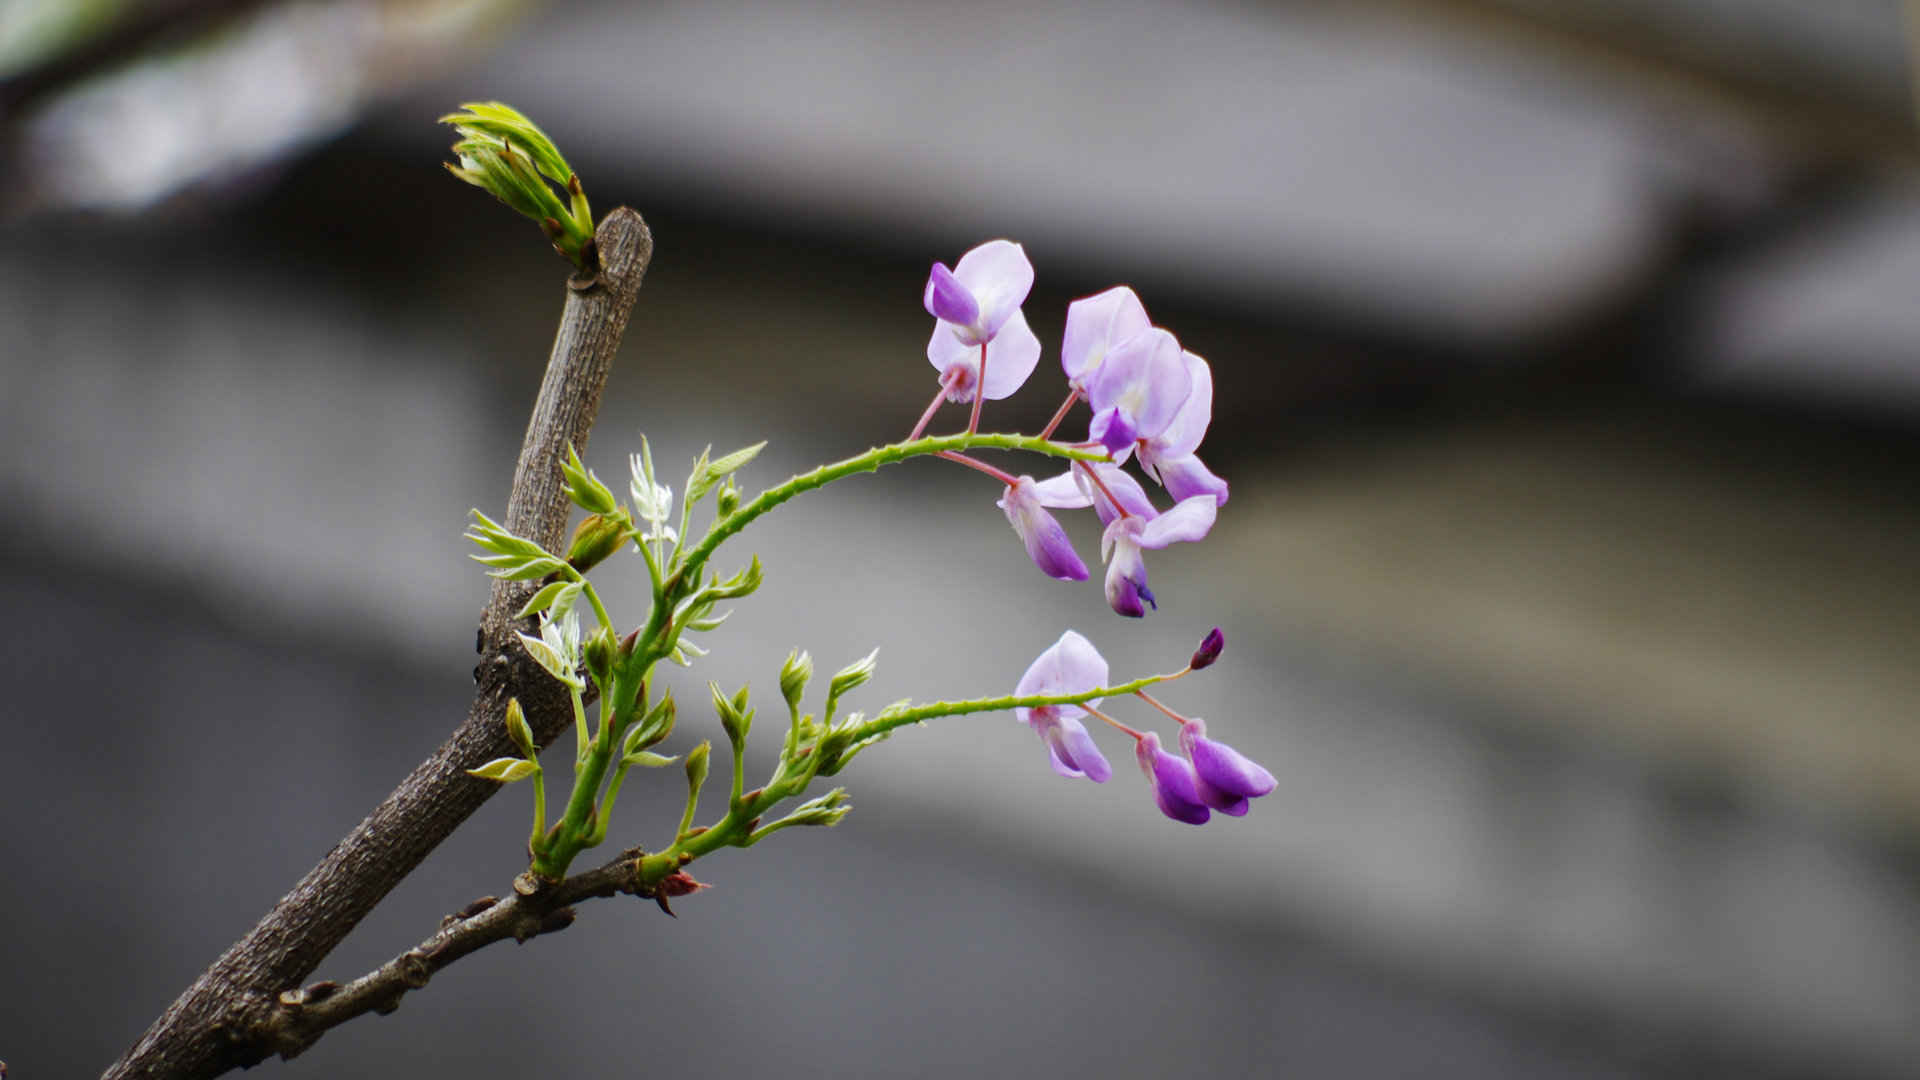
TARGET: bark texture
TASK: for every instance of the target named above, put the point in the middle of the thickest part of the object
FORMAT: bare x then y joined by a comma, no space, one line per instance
227,1017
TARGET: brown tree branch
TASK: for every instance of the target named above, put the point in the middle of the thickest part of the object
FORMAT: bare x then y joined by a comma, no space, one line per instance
212,1027
301,1016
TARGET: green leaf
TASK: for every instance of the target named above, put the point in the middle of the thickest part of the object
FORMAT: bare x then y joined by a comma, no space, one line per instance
506,770
549,596
649,759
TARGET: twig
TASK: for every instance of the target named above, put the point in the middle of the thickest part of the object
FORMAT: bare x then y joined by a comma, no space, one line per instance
302,1016
212,1027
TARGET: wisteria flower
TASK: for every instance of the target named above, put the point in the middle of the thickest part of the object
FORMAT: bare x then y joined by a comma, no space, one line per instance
1070,666
1025,505
1112,491
1095,324
977,305
1126,538
1169,456
1225,778
1175,787
1137,390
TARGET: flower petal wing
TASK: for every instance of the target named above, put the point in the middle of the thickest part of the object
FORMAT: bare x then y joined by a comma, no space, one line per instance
1011,357
1189,520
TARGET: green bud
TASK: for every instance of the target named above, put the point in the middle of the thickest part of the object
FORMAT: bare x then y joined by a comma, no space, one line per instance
601,650
853,675
794,675
595,539
729,498
697,760
584,488
740,584
517,729
735,718
652,728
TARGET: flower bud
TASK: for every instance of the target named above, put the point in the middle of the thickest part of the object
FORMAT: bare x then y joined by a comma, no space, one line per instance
1209,650
853,675
594,539
794,675
697,759
735,718
601,649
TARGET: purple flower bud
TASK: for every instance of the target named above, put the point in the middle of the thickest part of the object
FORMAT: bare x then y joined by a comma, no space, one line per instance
1209,650
1225,777
1071,665
1047,543
1175,787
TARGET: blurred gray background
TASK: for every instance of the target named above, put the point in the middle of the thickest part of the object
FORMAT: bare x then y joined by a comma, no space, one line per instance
1566,354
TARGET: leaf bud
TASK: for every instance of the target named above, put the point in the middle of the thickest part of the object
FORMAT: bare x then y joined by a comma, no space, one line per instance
729,498
517,728
794,675
595,539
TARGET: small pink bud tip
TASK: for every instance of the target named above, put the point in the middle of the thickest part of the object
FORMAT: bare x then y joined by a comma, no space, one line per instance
1209,650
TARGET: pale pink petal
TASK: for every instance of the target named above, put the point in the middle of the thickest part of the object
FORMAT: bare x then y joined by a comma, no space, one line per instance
1011,357
1183,434
1094,325
1189,520
1062,492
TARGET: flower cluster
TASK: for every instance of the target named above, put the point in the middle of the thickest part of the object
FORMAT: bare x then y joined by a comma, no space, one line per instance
1212,776
1151,400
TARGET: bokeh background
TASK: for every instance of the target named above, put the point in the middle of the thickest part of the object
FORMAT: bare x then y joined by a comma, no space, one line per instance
1568,389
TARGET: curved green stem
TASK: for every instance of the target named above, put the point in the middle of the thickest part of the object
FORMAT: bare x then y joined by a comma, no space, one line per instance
870,461
735,829
914,714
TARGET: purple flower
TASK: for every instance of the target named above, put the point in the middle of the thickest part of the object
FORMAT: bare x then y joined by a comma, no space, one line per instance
1137,390
1175,787
1126,539
1169,456
1095,324
1225,778
977,304
1047,543
1072,665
